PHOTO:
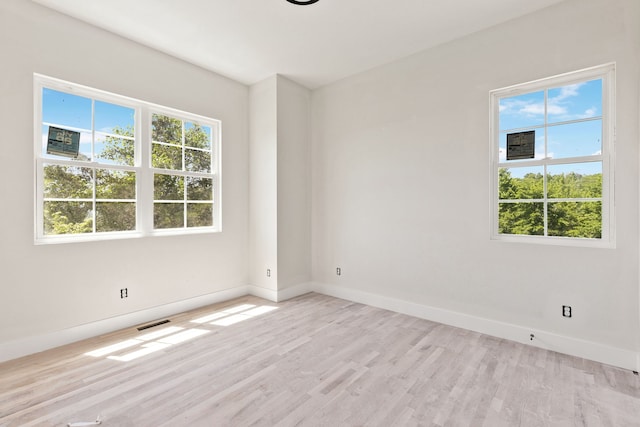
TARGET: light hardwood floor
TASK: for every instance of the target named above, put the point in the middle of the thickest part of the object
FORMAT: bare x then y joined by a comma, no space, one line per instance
314,361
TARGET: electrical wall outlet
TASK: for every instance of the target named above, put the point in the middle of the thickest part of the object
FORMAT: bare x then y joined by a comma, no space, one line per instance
268,272
566,311
338,271
124,293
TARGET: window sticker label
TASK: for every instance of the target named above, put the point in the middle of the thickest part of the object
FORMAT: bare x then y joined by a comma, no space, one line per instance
63,142
521,145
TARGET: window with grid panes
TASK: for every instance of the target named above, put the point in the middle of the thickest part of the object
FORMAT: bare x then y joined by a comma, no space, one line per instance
183,182
552,161
108,166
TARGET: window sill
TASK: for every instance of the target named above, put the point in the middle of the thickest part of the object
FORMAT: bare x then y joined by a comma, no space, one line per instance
52,240
555,241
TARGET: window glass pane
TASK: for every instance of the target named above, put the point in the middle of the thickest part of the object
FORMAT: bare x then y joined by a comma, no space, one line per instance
521,183
166,157
44,135
112,118
577,180
199,214
84,152
114,184
114,151
539,150
199,188
522,111
115,216
68,217
168,215
166,129
575,101
168,187
68,182
197,161
197,136
575,139
575,219
99,193
65,109
521,218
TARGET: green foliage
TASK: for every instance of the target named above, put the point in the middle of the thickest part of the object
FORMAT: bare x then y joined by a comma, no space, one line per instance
120,151
166,129
521,218
167,149
169,131
575,219
168,215
115,216
567,219
115,190
196,137
166,157
67,182
67,218
168,187
199,215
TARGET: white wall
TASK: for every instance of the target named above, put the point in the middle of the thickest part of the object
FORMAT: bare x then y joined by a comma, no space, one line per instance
280,186
400,188
263,205
401,180
49,288
294,184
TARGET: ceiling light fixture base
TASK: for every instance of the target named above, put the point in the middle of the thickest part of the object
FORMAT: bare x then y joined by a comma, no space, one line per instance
302,3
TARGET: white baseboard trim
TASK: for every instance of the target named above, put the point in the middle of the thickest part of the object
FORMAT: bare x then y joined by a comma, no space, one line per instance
614,356
295,291
282,295
268,294
35,344
626,359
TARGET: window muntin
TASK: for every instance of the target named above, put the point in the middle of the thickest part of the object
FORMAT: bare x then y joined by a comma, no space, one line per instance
562,188
95,191
109,189
183,184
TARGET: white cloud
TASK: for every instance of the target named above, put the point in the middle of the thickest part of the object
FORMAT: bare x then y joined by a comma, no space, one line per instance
567,92
532,109
556,110
591,112
538,109
558,106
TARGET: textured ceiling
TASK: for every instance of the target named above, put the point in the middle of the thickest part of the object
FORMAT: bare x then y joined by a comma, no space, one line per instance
249,40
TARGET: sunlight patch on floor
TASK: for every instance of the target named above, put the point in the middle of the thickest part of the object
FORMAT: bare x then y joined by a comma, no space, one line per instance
233,315
183,336
161,339
146,349
113,348
148,343
231,320
222,313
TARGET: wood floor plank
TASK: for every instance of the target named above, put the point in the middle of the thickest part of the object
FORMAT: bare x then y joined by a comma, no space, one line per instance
313,360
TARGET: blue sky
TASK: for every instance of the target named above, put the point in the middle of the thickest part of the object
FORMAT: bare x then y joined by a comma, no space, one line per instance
566,103
74,112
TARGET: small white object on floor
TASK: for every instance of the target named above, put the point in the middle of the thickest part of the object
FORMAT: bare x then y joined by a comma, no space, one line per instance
98,421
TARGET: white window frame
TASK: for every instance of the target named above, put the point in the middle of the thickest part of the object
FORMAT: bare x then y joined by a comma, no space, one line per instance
605,72
142,164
